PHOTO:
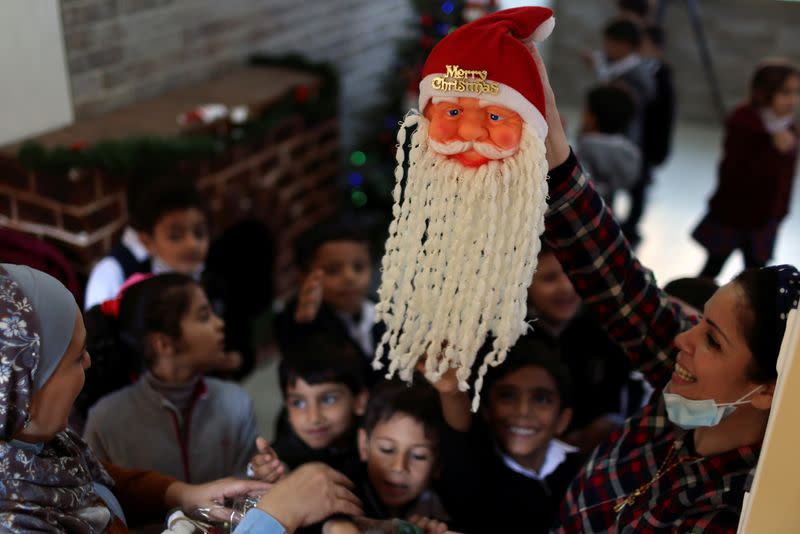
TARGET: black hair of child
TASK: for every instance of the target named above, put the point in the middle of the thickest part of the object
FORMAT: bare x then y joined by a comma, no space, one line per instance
338,228
147,204
118,344
528,351
624,31
321,357
640,7
656,35
418,400
694,291
613,108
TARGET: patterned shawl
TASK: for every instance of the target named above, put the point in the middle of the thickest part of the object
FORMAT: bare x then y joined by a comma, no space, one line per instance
47,488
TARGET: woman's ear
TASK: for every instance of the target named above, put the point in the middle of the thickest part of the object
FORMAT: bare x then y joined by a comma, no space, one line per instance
762,399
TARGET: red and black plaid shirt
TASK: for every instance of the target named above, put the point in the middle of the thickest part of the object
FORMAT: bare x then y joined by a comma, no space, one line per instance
701,495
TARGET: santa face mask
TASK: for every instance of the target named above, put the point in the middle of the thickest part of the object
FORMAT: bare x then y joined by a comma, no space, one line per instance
469,211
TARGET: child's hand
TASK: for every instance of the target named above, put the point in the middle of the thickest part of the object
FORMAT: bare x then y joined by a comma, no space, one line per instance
784,141
266,464
447,384
310,298
430,526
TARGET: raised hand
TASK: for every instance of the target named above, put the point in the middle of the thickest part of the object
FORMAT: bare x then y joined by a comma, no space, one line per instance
310,298
266,466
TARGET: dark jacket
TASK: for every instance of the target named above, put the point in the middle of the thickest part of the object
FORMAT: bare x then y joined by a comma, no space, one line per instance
755,180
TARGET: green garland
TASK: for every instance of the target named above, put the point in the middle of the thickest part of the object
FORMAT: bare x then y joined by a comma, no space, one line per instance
151,155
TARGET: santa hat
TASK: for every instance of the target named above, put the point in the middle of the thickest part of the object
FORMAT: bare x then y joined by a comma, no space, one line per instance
490,59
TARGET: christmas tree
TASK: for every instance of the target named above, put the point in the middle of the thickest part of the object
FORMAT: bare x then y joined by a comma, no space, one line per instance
371,163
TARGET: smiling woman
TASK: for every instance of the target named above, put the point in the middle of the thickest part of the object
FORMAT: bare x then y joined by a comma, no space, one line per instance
709,421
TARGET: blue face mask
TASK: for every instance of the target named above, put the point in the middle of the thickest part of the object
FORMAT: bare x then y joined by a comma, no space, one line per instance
688,414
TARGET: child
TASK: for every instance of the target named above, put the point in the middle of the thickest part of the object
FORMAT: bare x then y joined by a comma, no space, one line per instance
607,154
336,267
322,382
605,392
168,232
173,419
756,173
399,445
506,470
658,124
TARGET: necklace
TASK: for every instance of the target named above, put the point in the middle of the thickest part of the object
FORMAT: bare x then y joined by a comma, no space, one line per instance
665,467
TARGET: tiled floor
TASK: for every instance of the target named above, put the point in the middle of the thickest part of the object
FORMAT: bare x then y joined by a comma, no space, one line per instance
678,201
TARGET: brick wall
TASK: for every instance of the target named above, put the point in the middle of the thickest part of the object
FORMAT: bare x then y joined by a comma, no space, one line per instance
739,33
120,51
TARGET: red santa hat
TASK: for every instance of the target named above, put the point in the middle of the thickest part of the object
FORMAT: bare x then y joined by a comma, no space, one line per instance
490,59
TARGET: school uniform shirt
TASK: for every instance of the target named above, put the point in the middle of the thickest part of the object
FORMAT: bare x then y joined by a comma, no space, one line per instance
699,494
138,428
109,274
487,492
612,160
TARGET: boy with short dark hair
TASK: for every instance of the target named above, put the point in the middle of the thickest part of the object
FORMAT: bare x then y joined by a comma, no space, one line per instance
322,382
610,158
399,444
336,275
506,469
168,232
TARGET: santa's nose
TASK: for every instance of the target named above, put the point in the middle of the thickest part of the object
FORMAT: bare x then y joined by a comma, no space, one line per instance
471,128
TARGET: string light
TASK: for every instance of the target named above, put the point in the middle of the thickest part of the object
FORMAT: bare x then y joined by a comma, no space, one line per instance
355,179
448,7
358,158
359,198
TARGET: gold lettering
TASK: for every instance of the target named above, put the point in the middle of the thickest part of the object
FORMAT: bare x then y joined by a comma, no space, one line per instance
465,81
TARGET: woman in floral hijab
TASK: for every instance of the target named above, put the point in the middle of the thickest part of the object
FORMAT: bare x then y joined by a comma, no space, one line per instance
49,479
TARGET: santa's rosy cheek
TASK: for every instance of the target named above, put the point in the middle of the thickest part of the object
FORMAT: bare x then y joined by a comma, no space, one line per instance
505,137
443,130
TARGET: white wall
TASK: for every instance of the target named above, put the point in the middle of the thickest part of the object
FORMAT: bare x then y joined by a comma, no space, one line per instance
34,92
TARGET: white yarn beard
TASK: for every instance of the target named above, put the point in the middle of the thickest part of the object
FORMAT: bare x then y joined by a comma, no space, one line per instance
461,252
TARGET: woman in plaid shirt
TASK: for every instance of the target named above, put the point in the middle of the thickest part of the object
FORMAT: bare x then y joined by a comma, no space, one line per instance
678,465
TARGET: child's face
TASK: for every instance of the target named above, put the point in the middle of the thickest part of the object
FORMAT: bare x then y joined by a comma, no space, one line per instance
616,50
551,295
524,412
787,99
179,239
321,414
346,272
400,459
202,342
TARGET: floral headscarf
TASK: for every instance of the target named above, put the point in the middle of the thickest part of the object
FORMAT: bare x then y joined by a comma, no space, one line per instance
49,487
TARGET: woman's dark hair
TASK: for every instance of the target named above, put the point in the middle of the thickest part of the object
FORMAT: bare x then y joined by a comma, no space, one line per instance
118,345
418,400
759,321
768,79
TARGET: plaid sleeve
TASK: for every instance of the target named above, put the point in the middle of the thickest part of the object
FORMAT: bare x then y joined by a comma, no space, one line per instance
614,285
721,521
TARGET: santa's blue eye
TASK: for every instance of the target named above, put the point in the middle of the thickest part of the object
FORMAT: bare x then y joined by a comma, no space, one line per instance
495,117
453,112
